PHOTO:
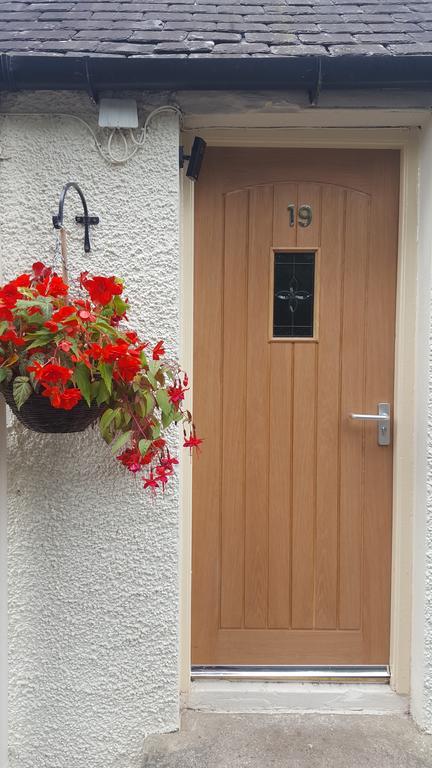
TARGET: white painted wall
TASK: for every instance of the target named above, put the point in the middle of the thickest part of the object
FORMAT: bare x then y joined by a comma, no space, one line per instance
421,658
93,562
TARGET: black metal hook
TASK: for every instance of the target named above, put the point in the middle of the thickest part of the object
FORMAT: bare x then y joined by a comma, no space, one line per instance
87,220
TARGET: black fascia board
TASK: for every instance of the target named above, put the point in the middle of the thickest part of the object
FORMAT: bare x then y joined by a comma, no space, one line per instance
312,73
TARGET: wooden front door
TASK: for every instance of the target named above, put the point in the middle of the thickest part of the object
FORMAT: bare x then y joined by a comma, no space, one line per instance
295,286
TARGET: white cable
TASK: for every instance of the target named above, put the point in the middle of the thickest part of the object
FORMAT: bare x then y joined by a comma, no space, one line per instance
107,154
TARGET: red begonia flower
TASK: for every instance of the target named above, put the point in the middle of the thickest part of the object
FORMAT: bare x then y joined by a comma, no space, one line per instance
64,315
101,289
69,398
51,373
40,270
11,335
52,286
128,366
5,313
50,326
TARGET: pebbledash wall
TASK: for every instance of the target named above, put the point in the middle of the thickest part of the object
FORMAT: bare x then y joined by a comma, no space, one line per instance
93,561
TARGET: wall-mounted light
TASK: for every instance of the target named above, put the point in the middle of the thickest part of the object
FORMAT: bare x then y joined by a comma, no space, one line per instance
195,158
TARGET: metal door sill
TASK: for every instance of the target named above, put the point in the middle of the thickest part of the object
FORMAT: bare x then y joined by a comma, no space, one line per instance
295,674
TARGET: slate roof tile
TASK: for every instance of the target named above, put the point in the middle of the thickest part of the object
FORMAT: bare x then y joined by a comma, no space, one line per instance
216,28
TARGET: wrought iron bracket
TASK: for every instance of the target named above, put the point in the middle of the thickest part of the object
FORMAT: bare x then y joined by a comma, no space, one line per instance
86,220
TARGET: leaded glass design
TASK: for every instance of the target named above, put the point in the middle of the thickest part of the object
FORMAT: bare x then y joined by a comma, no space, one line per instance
293,297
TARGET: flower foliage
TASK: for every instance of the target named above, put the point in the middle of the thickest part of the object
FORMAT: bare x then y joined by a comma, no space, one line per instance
72,349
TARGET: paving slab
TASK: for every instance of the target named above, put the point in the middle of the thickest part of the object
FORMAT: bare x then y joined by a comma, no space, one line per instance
211,740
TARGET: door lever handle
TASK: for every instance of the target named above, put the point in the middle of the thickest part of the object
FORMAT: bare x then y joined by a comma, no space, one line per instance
370,416
382,419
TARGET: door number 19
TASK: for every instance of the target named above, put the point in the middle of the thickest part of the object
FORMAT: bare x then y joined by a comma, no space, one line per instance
304,215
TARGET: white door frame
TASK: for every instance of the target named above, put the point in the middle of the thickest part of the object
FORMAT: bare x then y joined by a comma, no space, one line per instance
405,140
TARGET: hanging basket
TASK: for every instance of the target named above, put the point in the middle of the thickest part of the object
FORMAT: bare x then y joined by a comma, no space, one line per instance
38,414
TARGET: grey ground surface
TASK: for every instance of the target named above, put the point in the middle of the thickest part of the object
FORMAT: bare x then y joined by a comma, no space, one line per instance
295,741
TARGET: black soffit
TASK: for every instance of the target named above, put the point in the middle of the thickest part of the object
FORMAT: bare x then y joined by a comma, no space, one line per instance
310,73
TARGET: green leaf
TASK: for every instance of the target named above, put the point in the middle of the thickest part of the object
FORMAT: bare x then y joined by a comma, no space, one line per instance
120,306
94,389
103,395
156,431
22,390
102,325
4,374
3,326
150,402
163,401
121,441
143,446
82,379
106,372
41,340
106,419
154,366
167,419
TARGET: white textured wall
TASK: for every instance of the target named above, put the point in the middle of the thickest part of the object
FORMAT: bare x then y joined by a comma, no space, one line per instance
93,563
421,672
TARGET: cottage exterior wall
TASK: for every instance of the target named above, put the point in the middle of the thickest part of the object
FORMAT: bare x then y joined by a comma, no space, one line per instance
93,561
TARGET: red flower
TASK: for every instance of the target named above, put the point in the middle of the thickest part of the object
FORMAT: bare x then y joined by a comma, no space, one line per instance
34,311
95,351
111,352
40,271
132,336
158,350
176,394
128,366
131,458
70,398
52,286
65,400
51,373
163,475
101,289
9,295
54,395
5,313
52,327
13,337
192,441
65,345
64,315
151,482
22,281
168,462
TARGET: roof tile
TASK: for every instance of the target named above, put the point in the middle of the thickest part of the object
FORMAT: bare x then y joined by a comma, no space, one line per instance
219,28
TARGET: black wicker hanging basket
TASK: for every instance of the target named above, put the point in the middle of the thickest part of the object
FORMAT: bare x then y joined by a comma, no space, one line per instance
38,414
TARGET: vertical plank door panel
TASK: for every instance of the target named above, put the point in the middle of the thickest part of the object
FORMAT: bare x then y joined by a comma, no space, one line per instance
257,409
291,497
234,385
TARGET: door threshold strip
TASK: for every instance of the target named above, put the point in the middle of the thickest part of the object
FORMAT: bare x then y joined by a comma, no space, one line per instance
288,673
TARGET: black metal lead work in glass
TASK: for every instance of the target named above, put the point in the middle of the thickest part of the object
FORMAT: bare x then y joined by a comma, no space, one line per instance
294,293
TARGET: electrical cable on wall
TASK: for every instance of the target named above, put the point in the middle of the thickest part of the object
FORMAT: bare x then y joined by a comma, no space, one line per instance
128,137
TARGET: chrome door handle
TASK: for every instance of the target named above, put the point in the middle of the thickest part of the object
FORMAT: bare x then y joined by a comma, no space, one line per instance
383,422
